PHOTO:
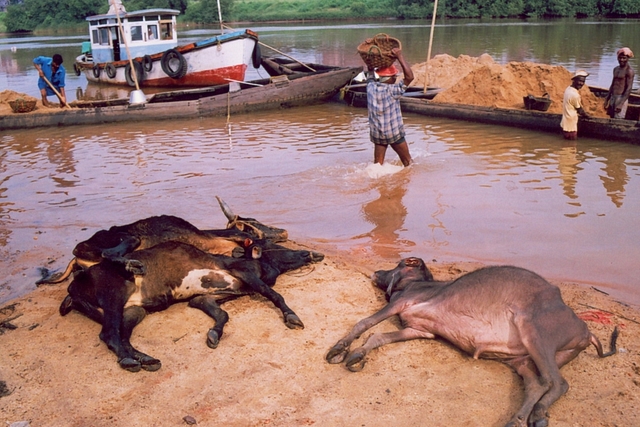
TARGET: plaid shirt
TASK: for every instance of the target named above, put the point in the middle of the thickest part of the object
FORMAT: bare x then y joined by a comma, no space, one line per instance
385,117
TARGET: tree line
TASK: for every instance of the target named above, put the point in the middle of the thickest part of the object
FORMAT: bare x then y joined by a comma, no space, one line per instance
29,15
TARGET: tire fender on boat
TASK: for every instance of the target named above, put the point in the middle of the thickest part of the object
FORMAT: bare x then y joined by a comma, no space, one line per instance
168,64
138,70
77,69
110,69
96,71
147,63
256,56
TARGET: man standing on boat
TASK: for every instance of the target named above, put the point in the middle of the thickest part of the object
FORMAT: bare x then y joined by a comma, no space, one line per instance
383,102
621,85
52,76
572,106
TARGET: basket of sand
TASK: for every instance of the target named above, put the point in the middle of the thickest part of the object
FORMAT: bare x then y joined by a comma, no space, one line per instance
22,105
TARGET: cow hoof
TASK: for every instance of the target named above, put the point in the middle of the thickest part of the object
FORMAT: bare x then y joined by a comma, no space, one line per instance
150,364
212,339
355,361
540,423
293,322
135,267
337,354
66,306
129,364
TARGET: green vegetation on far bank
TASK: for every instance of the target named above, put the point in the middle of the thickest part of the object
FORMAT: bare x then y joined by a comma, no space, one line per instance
30,15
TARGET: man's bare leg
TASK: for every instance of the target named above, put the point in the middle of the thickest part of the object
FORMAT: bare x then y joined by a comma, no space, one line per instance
378,153
402,149
43,92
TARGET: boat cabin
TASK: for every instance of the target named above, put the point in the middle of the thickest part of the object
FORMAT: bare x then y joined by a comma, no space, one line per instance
146,31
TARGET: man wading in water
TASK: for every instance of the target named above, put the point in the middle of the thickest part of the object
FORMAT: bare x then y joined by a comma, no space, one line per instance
383,102
618,98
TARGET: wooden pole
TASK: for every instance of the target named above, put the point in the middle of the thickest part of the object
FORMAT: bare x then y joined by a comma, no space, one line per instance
126,45
433,24
66,104
281,53
220,16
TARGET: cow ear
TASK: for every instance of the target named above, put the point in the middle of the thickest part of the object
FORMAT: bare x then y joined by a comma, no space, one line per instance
248,242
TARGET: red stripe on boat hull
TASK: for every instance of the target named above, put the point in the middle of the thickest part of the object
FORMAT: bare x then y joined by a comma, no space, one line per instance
202,78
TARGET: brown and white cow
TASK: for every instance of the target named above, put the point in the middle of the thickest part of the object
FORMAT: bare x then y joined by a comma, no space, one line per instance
119,240
118,299
502,313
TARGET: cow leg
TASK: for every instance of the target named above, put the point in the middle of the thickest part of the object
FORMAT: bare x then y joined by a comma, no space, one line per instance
209,305
132,317
540,373
339,351
111,336
356,359
84,307
539,414
291,319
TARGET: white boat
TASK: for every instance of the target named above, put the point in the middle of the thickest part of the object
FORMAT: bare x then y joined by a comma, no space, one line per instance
152,42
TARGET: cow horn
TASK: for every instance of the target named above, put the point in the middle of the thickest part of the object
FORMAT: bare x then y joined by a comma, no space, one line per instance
226,210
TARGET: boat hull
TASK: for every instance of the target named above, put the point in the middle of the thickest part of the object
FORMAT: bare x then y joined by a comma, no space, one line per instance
236,98
209,62
605,129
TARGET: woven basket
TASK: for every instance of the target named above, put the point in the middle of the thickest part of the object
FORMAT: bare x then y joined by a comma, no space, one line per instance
376,52
22,105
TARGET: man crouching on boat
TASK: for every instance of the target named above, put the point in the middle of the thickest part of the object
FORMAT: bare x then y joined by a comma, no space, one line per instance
383,102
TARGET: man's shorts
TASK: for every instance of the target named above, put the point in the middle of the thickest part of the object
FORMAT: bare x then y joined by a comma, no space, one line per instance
399,141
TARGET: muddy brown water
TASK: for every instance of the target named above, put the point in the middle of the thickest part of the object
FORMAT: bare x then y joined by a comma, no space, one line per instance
475,193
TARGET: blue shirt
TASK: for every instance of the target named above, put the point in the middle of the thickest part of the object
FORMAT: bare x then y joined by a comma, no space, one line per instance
57,79
385,117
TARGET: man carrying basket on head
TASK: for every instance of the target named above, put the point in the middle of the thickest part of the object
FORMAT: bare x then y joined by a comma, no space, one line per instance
383,102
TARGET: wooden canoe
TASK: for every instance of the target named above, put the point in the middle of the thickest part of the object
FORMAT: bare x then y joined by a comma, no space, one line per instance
356,94
284,91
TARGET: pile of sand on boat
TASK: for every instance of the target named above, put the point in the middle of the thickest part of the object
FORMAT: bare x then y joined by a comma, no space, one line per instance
481,81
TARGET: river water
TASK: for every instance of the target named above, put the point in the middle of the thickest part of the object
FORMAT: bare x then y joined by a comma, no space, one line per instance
476,193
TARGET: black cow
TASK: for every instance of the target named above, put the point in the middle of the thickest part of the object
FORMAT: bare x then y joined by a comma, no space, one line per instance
503,313
120,240
174,272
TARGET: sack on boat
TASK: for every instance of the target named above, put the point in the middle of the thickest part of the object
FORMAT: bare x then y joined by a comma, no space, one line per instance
376,52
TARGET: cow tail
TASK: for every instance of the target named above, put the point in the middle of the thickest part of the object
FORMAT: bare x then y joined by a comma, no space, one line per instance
612,343
53,279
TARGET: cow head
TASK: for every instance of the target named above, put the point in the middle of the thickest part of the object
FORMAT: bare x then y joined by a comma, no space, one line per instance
252,226
105,244
407,271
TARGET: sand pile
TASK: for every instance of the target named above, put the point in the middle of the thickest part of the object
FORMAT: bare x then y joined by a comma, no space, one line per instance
481,81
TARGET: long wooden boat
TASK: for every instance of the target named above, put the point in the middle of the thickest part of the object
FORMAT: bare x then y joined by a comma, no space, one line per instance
149,38
606,129
356,94
283,91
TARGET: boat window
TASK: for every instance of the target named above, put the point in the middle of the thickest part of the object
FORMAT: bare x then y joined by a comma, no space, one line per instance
151,18
166,30
152,32
136,19
136,32
95,38
104,36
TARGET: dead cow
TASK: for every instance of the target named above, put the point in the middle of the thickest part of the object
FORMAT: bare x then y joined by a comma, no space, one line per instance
119,240
503,313
118,299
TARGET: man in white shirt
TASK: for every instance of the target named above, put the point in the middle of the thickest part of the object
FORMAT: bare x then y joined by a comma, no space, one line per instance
572,106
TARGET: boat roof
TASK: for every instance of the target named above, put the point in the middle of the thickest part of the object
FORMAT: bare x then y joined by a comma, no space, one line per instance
135,13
